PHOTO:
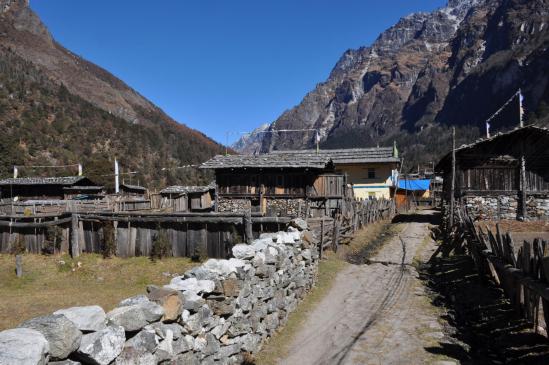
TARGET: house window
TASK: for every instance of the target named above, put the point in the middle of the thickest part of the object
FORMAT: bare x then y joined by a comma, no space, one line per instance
371,173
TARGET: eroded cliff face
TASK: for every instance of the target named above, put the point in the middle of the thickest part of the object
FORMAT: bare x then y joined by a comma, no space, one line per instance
430,70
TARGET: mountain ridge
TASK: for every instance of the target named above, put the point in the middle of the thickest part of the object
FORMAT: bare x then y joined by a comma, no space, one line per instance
412,83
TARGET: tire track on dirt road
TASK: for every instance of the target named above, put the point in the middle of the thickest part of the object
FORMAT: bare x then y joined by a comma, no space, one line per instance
366,304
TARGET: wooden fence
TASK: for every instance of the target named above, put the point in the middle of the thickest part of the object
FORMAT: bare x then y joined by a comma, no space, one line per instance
522,271
188,234
355,214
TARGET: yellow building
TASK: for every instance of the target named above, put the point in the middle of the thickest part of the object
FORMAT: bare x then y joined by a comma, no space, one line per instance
370,171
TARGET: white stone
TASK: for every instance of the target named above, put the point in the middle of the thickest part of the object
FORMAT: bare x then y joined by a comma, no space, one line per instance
167,344
23,346
89,318
130,317
223,267
243,251
191,284
103,346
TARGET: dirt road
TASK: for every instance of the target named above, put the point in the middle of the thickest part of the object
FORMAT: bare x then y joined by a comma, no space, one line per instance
376,313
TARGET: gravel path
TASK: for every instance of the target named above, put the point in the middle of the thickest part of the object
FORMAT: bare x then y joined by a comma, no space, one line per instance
376,313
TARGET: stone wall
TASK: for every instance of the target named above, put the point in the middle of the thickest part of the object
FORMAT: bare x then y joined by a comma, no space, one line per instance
487,207
286,207
217,313
234,205
275,206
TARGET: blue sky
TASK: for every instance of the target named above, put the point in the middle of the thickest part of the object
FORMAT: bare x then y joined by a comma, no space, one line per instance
219,65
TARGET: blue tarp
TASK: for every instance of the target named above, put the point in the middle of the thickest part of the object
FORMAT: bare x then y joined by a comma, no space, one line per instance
414,184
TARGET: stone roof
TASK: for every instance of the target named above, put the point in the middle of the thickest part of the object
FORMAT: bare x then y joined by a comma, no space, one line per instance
310,160
178,189
61,180
352,155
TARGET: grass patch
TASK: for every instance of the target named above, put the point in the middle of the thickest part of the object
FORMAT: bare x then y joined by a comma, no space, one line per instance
277,346
53,282
369,240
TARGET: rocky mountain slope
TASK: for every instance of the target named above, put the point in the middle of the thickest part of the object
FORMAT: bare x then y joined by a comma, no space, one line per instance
57,108
451,67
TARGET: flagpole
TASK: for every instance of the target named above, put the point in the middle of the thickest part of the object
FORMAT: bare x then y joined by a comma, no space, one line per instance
521,111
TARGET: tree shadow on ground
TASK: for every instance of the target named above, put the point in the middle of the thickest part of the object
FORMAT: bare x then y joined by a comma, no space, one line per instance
431,217
488,330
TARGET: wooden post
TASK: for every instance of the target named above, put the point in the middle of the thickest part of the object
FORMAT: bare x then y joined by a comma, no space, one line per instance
248,226
320,249
19,265
453,181
75,247
523,184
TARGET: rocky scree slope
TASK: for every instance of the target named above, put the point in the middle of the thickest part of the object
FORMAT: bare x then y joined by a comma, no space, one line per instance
57,108
451,67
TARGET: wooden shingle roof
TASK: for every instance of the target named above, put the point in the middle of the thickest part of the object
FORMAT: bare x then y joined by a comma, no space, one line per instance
178,189
61,180
291,159
501,142
352,155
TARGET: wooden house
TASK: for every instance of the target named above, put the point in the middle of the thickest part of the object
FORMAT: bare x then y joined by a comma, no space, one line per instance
277,184
49,188
188,198
371,172
502,177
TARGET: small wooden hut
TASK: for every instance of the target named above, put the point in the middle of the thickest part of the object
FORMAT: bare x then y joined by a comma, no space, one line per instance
502,177
188,198
277,184
133,191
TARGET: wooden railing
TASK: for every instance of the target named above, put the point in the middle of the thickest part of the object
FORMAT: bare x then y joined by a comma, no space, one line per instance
354,215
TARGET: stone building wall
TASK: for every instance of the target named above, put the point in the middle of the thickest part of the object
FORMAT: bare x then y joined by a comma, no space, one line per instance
217,313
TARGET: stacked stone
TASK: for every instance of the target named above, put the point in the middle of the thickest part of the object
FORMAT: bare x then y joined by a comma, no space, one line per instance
287,207
538,206
217,313
487,207
234,205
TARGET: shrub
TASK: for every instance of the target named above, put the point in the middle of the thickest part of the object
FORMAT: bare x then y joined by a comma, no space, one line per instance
109,246
18,246
160,244
52,240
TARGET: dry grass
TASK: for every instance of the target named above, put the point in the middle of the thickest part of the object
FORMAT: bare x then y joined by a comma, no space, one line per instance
47,285
515,226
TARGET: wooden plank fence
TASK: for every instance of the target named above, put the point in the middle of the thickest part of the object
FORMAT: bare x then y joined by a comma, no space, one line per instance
521,270
189,234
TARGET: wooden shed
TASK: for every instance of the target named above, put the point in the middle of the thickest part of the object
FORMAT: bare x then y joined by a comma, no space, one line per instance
277,184
133,191
502,177
188,198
